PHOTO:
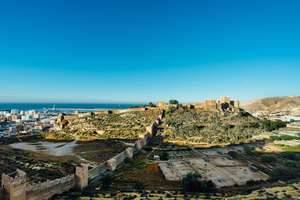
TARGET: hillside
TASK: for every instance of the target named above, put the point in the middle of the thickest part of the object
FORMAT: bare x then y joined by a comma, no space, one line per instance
197,126
124,125
290,105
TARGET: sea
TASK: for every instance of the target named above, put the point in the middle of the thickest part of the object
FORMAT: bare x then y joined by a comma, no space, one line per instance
66,107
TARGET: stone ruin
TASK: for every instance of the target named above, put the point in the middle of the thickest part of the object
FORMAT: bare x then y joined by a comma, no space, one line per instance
14,188
61,122
82,176
17,187
224,104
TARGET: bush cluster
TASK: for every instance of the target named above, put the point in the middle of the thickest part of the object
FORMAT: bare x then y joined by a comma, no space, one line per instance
192,183
269,125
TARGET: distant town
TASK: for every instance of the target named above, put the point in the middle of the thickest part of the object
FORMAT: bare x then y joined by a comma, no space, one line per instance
25,123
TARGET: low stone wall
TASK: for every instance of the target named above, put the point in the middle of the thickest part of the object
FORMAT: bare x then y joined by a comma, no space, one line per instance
114,162
97,171
117,160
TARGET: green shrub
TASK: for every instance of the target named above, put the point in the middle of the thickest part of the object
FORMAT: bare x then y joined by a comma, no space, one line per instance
290,164
284,173
284,137
174,102
192,183
291,156
268,158
164,156
152,105
250,150
269,125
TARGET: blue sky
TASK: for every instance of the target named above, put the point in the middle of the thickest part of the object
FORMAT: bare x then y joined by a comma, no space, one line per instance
139,51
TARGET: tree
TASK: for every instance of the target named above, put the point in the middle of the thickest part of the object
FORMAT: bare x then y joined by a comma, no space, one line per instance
291,156
151,105
290,164
164,156
269,125
192,183
174,102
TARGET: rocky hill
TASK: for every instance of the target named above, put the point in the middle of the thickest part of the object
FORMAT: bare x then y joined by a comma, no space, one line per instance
290,105
103,125
207,127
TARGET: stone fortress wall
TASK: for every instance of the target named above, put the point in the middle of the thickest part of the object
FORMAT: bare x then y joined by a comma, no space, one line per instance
223,104
16,188
47,189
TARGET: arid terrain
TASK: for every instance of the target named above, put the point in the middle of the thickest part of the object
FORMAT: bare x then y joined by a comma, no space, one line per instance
289,105
102,125
210,128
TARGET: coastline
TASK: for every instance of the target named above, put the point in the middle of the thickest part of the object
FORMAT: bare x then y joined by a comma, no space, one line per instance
67,107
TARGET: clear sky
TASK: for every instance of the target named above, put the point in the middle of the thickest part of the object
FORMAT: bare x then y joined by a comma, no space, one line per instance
148,50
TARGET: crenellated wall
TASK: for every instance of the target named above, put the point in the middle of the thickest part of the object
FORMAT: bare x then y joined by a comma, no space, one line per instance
48,189
14,187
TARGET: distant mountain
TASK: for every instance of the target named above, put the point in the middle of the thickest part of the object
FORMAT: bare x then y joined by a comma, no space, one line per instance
291,105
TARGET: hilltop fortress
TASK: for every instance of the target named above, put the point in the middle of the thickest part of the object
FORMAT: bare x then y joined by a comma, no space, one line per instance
224,104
